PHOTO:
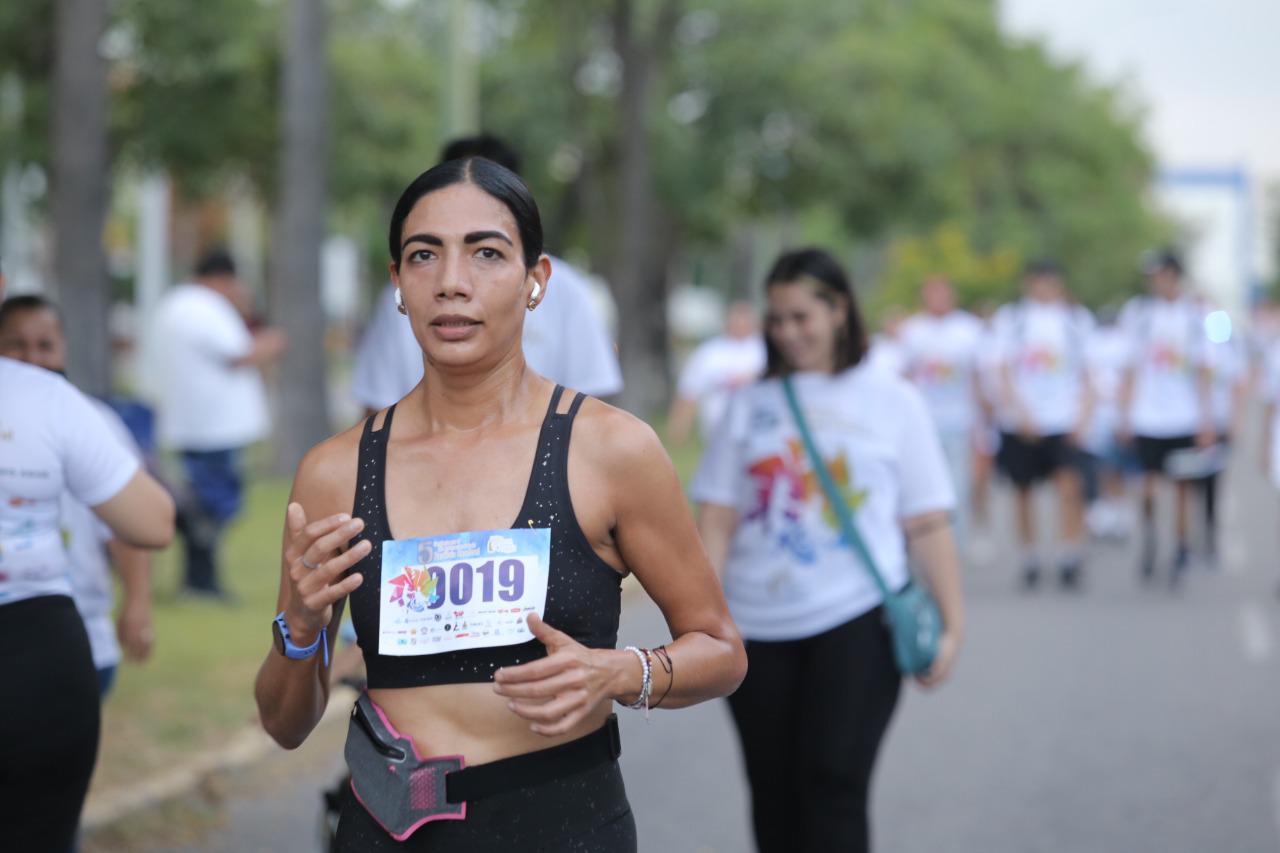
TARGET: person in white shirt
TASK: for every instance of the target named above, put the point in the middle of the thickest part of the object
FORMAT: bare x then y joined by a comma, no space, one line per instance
1044,409
31,331
566,341
713,371
1227,362
1269,378
1111,462
822,683
53,441
211,402
939,353
885,350
988,381
1165,397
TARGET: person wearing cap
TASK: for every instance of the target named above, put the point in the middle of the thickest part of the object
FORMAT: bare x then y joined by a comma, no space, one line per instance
1165,397
1043,410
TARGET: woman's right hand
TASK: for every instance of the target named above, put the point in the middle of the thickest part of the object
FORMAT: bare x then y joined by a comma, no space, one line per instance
316,561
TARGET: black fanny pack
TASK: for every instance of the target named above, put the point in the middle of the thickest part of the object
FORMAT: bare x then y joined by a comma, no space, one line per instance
401,790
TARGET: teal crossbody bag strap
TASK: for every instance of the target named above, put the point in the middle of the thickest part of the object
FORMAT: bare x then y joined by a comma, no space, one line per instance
847,527
915,625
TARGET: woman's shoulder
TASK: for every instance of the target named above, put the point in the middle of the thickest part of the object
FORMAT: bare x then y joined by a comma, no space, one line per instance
327,472
613,436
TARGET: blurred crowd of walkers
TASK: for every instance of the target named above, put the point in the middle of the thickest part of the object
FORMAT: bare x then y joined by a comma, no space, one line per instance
909,425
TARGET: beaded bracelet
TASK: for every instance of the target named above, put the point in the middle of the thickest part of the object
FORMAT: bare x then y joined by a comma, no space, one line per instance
642,701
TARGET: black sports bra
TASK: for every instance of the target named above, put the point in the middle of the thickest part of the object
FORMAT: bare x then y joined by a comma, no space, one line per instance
583,592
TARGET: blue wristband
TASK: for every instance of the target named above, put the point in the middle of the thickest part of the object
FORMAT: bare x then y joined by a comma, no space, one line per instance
289,650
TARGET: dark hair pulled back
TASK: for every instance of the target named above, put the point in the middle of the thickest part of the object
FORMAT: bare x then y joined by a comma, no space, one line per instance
819,267
499,182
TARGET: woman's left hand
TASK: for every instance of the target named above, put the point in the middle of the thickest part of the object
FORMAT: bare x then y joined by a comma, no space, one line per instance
948,647
559,691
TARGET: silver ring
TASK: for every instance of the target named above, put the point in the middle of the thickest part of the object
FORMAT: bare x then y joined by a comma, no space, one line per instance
310,566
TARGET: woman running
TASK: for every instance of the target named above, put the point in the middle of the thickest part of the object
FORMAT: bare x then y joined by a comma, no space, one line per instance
484,726
823,683
53,441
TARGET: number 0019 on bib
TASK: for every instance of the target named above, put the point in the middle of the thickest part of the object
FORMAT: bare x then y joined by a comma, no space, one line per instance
462,591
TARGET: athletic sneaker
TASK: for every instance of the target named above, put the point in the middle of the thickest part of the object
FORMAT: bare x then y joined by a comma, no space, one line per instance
1147,565
1030,576
1071,574
1181,560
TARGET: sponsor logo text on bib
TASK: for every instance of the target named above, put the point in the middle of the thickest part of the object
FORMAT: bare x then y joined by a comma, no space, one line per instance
461,591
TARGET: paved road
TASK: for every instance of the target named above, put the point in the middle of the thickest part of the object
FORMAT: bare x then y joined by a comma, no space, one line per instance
1116,719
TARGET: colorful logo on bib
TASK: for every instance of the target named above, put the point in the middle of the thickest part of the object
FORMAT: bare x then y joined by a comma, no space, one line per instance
415,589
790,483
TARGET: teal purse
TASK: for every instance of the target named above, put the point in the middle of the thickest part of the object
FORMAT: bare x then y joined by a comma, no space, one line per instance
911,614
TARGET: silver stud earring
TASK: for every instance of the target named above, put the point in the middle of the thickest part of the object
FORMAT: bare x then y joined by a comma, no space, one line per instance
400,303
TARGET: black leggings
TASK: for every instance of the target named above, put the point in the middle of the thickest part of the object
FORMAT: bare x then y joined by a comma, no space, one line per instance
49,713
584,813
811,714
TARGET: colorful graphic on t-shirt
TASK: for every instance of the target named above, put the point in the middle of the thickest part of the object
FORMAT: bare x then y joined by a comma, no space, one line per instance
1165,356
792,477
1039,358
414,589
929,371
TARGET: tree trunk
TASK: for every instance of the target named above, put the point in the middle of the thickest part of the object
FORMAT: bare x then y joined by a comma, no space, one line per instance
80,182
639,281
295,304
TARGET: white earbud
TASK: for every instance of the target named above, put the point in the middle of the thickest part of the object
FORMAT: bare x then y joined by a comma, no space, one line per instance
400,302
537,290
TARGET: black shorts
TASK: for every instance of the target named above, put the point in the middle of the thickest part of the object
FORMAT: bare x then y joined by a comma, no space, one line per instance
1154,452
1028,461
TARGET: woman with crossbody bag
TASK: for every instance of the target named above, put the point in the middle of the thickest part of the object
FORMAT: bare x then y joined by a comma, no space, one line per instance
814,558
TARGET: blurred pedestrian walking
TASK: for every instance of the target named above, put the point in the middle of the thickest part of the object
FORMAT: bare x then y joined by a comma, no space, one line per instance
713,371
206,365
31,331
939,353
1227,362
823,683
53,441
566,340
1166,405
1045,409
1109,463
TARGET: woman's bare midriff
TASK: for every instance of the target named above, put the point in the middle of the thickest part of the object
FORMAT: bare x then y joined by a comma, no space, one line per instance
469,720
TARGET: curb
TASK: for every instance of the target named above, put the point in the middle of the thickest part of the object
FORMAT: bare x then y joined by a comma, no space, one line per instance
246,747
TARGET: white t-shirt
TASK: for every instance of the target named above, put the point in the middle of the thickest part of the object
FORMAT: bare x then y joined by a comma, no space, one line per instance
1042,344
1107,355
939,358
714,370
1228,363
885,354
86,538
789,575
565,340
1166,353
1271,394
52,440
203,401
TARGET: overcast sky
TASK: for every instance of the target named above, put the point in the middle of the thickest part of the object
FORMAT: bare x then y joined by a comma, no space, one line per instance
1207,71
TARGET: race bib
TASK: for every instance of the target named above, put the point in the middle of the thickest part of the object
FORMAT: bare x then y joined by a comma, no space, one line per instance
462,591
